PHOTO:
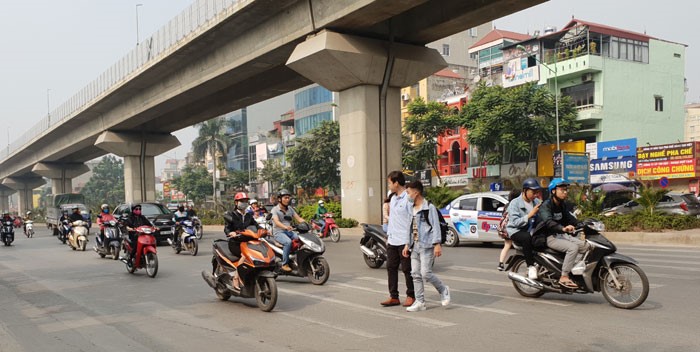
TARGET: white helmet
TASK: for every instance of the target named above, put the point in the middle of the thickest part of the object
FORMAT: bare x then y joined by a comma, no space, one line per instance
253,201
29,213
103,206
320,202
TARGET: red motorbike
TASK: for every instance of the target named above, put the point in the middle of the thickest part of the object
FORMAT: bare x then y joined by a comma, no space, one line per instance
332,230
146,254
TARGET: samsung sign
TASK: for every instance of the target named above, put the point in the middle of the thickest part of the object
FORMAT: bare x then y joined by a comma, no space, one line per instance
614,149
617,165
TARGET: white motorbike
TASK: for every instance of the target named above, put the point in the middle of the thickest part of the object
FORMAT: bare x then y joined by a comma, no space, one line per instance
29,228
78,236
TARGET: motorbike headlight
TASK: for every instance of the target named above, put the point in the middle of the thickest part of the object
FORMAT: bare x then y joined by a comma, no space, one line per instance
316,247
147,231
597,226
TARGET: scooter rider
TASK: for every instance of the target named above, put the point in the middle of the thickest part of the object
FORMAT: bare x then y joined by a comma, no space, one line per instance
282,215
239,219
522,217
75,215
179,216
134,220
320,212
104,217
559,223
28,217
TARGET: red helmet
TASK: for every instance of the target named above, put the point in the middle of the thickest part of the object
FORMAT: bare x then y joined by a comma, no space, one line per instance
240,195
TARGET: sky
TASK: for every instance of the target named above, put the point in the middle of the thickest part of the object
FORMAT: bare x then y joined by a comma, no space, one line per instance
52,48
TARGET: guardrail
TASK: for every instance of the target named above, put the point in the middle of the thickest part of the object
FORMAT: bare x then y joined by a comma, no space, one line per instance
193,21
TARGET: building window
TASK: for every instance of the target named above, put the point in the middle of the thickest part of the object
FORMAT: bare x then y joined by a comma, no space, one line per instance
658,103
473,56
312,96
582,94
473,32
445,49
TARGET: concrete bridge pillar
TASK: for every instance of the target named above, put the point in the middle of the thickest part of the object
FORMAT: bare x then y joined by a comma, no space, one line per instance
368,74
138,151
25,186
61,174
5,192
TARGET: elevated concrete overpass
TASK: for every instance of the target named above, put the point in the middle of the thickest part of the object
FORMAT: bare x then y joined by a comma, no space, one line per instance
238,53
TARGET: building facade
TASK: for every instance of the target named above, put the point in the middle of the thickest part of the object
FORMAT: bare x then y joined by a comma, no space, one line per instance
692,122
237,130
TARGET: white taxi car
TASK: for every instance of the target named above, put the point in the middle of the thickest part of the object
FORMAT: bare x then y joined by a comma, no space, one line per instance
474,217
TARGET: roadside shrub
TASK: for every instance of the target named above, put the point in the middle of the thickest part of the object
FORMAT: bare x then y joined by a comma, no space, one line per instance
440,196
210,217
307,211
619,223
346,222
644,222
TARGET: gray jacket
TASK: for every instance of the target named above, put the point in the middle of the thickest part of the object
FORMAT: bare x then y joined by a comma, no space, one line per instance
517,215
428,235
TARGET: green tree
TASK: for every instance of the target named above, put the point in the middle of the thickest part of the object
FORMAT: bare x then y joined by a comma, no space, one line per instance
272,172
239,179
106,184
649,197
517,117
427,121
314,159
194,182
211,140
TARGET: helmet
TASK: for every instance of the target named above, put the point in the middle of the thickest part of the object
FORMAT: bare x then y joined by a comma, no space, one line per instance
75,208
531,183
283,192
253,201
240,196
29,213
557,182
104,206
320,202
135,206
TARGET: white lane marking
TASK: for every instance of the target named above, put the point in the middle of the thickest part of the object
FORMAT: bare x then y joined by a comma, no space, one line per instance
673,277
481,309
636,255
477,281
363,308
470,269
659,249
672,267
360,333
519,299
667,261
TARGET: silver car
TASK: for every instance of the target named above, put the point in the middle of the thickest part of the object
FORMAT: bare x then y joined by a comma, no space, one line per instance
672,203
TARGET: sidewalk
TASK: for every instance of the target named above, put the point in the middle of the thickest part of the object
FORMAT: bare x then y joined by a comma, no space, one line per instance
677,238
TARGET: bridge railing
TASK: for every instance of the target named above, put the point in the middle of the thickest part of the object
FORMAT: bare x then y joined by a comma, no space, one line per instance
194,20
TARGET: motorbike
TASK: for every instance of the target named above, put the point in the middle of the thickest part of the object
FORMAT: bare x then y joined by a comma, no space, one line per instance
64,230
111,243
199,231
7,233
29,228
146,256
373,245
305,257
602,269
186,238
332,230
256,272
78,235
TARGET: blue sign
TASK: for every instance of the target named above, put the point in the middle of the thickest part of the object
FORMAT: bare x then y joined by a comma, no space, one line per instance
613,166
620,147
496,186
663,182
575,167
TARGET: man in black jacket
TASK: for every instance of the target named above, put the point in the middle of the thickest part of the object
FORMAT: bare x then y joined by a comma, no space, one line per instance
559,222
132,222
237,220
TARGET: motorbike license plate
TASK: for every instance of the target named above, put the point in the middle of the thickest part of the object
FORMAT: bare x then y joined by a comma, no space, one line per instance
166,232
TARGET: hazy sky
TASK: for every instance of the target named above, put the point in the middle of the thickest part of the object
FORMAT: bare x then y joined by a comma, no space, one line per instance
59,46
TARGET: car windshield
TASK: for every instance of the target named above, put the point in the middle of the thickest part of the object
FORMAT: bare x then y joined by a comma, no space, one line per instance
148,209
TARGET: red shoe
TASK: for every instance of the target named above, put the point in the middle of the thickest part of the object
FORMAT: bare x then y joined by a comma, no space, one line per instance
391,302
409,301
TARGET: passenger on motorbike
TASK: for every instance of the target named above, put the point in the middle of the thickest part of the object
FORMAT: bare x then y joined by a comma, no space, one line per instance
132,222
558,223
27,217
75,215
522,217
7,217
179,216
320,212
102,218
237,220
256,209
282,215
190,211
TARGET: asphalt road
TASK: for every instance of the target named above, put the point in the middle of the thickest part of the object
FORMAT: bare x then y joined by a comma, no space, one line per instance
56,299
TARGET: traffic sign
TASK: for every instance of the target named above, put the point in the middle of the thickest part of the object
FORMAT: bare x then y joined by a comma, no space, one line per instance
663,182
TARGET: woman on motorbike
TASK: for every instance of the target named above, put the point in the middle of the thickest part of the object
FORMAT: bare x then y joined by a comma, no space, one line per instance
522,217
237,221
135,220
559,222
102,218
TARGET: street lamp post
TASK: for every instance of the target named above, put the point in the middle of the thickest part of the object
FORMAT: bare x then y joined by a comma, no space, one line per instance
556,86
137,23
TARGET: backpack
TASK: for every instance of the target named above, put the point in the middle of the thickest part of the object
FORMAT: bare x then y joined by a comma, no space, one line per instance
501,227
443,223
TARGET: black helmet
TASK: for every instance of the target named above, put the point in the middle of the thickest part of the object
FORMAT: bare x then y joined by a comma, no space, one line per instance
531,183
283,192
135,206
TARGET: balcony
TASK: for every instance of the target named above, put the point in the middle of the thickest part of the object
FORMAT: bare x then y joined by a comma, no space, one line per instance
590,112
589,63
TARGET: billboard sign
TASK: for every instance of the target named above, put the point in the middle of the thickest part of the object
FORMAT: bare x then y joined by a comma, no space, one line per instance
575,167
617,148
516,73
617,165
669,160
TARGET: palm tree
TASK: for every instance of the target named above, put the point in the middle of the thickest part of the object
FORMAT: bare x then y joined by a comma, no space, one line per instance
211,140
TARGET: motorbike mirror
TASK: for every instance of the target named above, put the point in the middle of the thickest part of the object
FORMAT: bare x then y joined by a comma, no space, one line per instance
268,216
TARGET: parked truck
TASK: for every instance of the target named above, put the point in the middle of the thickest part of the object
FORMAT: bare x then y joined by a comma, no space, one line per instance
57,203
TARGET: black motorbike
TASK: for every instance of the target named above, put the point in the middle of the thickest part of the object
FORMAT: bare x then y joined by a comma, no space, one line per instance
64,230
622,282
305,257
112,241
373,245
8,232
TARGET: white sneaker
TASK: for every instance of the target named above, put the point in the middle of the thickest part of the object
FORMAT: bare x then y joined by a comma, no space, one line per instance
445,296
532,273
416,306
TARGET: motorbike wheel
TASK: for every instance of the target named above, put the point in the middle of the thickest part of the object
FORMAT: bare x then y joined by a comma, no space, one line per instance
323,270
451,239
376,262
199,232
82,244
130,267
115,253
151,264
634,286
31,233
335,234
221,292
62,239
520,267
177,249
194,247
266,293
102,255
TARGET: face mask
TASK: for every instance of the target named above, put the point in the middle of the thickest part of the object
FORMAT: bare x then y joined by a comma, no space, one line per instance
106,211
242,206
137,211
411,200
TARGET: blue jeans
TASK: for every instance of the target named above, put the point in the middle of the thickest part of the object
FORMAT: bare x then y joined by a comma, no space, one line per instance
421,265
285,238
323,225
